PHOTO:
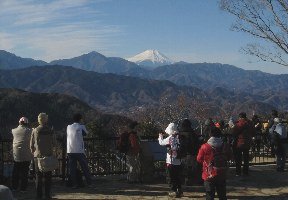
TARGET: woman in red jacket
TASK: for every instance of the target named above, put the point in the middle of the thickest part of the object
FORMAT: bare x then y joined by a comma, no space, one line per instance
214,156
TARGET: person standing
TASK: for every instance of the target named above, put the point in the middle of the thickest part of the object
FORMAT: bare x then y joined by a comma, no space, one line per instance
279,139
21,154
75,149
133,155
243,132
214,154
42,145
189,161
173,163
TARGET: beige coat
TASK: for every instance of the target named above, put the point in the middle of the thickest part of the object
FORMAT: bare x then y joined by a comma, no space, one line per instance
42,141
21,140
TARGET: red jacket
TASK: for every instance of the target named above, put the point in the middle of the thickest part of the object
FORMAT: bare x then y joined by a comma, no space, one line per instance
205,154
134,141
243,133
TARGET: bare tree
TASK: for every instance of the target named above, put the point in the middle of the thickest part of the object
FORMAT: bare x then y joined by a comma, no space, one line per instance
266,20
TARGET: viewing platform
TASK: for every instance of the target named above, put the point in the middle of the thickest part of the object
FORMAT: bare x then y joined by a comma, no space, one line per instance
262,183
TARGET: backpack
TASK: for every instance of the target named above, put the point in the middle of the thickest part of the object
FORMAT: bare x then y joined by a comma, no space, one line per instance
178,146
218,165
281,130
123,144
277,132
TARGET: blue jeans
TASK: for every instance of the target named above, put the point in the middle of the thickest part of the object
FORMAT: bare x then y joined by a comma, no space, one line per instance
81,159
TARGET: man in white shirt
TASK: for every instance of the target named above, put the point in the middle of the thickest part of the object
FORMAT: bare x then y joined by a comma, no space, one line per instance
75,149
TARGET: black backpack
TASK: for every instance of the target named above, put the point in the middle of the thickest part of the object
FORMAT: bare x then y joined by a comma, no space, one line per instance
218,166
123,144
180,148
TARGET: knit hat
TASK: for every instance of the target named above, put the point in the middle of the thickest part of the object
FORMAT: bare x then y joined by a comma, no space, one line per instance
23,120
185,126
42,118
171,129
215,132
277,120
242,115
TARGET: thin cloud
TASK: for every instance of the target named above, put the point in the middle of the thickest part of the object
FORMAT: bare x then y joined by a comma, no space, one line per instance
54,29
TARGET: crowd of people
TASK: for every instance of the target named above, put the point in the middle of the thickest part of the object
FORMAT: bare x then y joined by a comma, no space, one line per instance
191,157
218,144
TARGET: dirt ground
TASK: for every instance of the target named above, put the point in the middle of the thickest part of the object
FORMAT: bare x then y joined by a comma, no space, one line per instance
262,183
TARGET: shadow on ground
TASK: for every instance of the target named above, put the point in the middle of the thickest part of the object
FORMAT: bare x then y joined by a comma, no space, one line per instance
262,183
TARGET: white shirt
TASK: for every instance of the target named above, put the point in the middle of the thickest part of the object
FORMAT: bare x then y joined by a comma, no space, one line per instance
169,159
75,143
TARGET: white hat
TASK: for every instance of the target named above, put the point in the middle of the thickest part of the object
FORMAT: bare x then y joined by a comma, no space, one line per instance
171,129
24,120
277,120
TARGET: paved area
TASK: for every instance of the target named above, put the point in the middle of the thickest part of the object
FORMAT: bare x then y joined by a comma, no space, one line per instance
263,183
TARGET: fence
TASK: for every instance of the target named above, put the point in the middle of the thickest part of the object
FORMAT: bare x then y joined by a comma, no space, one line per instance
103,159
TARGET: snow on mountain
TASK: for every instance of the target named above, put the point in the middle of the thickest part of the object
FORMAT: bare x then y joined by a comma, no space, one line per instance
150,58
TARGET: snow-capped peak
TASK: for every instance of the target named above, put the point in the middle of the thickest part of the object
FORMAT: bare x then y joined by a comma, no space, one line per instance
151,58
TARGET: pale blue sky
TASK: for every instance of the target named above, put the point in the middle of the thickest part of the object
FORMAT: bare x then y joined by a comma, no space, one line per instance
184,30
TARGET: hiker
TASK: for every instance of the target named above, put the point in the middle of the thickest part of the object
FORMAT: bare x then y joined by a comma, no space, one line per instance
173,163
76,151
189,160
274,114
214,156
278,134
208,124
258,133
133,155
243,132
21,154
41,145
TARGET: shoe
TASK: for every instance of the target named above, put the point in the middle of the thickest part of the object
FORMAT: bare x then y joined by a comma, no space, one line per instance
172,194
179,194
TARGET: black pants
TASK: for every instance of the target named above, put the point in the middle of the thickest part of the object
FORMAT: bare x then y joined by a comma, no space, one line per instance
175,173
20,175
218,185
242,154
39,181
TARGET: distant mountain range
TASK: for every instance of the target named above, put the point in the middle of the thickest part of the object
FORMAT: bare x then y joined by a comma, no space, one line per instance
221,83
119,94
108,92
11,61
151,58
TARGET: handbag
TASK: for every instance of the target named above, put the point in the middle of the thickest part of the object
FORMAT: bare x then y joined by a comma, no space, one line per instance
47,163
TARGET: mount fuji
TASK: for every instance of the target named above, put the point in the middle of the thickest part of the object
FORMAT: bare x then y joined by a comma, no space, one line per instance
151,59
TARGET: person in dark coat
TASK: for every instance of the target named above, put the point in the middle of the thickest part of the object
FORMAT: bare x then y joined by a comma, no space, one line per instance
243,132
189,162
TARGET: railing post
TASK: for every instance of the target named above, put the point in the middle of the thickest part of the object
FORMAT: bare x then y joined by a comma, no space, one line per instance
63,146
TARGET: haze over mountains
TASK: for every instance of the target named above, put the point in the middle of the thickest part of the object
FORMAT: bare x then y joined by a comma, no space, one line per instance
218,84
